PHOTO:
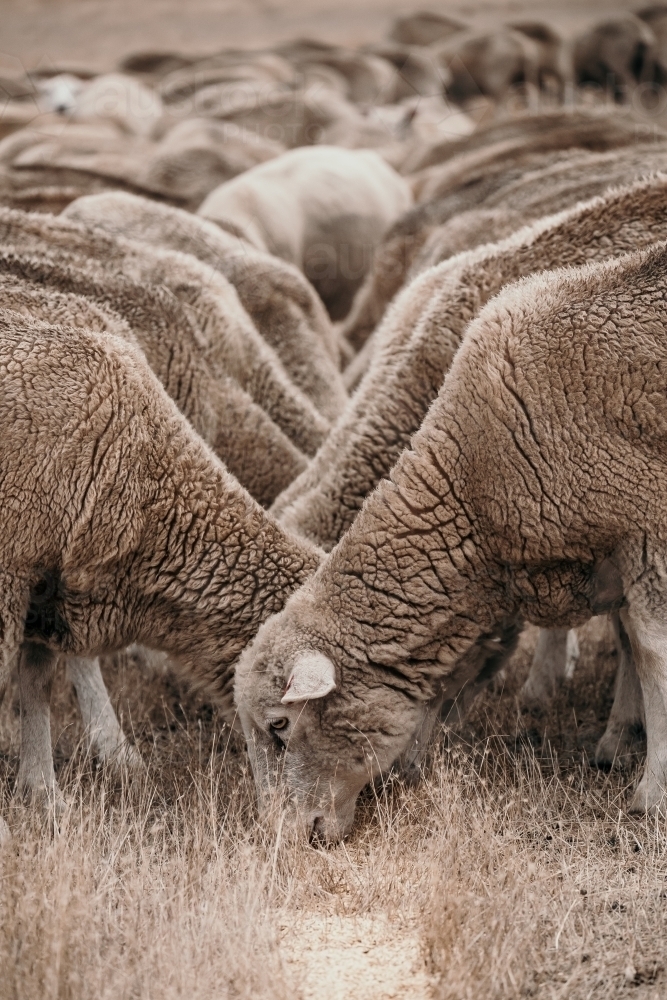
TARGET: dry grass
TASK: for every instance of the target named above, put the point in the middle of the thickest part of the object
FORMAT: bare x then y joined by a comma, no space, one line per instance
511,871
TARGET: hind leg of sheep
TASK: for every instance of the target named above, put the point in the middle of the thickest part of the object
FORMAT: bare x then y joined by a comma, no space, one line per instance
103,731
627,713
36,778
555,658
649,646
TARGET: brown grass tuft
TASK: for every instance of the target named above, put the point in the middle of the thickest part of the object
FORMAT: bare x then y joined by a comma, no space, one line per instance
511,871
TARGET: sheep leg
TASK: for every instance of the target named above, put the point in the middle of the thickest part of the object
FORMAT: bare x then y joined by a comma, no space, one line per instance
627,712
410,762
105,737
555,658
648,638
36,778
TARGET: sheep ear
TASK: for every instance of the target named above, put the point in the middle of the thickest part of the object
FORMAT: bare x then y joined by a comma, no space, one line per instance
313,676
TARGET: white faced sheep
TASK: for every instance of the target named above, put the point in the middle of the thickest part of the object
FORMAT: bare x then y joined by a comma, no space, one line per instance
119,525
322,208
534,490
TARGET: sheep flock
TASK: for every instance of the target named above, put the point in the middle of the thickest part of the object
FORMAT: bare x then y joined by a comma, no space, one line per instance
333,400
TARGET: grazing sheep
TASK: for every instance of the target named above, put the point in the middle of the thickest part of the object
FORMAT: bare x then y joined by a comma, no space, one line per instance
276,296
656,18
323,209
554,65
596,133
533,491
53,290
42,166
616,55
227,335
127,528
324,500
416,72
153,65
137,109
421,333
549,184
198,154
424,28
293,118
181,86
488,64
370,79
514,139
239,431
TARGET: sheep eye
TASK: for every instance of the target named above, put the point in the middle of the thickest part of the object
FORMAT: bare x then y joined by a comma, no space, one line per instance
278,723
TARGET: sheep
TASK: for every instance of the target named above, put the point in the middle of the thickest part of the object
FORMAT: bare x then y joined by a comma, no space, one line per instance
284,307
370,79
488,64
424,28
416,344
137,109
323,209
554,60
616,54
192,159
293,118
533,491
153,65
231,340
29,177
417,74
594,134
549,185
656,18
181,86
596,129
120,525
198,154
236,428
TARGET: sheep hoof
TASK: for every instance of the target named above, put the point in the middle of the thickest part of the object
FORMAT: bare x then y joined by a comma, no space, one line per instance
131,759
47,798
536,697
613,746
648,798
126,759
